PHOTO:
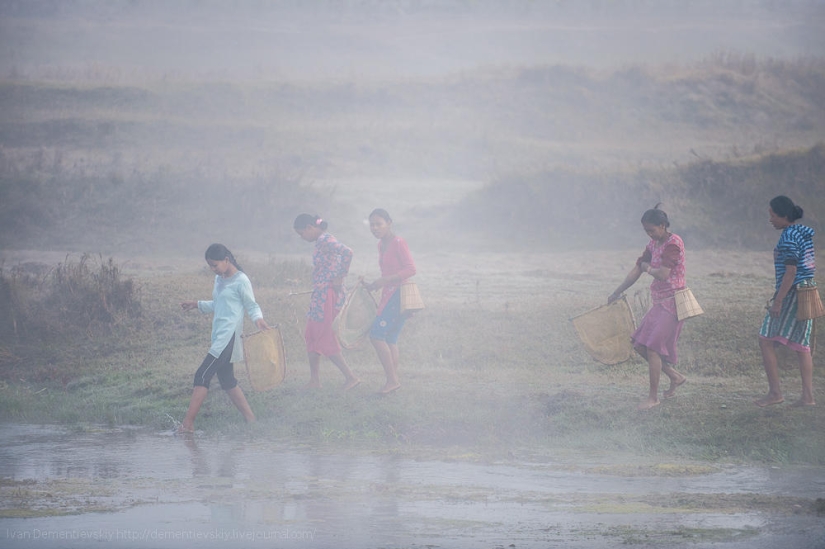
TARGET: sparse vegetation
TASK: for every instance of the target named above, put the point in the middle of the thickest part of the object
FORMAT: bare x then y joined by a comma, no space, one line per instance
74,298
712,204
513,377
45,204
89,166
55,317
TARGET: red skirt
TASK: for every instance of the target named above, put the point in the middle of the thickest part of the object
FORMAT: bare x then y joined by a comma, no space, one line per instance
659,332
319,336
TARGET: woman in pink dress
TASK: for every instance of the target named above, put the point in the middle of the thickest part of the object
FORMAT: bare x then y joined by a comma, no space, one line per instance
330,264
655,339
396,267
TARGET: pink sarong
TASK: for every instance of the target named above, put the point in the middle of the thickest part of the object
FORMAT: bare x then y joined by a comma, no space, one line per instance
659,332
320,337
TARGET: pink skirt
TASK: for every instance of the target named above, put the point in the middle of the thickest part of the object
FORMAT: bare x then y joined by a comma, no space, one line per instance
659,332
320,337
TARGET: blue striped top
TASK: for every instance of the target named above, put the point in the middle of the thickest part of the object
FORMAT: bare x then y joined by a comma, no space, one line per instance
795,247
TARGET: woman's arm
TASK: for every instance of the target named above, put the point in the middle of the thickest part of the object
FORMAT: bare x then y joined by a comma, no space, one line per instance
405,271
405,259
344,259
670,258
629,281
202,306
251,306
339,257
659,273
784,288
642,265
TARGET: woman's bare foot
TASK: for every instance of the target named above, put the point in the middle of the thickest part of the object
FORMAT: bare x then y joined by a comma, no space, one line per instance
311,386
387,389
801,404
351,384
186,430
671,392
769,400
648,404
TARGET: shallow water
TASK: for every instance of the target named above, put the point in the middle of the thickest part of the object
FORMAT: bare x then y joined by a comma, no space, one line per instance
133,488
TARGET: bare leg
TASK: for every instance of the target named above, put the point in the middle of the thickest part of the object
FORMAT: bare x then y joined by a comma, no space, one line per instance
388,355
676,379
395,361
198,396
350,380
394,350
774,395
654,366
314,371
806,368
239,400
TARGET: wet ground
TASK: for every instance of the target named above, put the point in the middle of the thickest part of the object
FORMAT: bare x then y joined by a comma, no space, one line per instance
133,488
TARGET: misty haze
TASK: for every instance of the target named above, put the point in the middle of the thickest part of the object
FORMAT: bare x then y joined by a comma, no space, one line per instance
516,146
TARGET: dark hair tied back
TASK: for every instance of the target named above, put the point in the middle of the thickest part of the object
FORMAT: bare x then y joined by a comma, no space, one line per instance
219,252
784,207
655,216
382,213
308,220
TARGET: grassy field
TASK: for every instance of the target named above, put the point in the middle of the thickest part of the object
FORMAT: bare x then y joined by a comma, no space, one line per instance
532,158
491,367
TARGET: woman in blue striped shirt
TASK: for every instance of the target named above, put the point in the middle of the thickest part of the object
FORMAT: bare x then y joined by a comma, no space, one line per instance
794,264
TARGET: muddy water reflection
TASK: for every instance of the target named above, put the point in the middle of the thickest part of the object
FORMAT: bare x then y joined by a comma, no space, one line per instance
130,488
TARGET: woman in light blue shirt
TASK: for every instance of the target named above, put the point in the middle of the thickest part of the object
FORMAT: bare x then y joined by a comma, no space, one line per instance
231,296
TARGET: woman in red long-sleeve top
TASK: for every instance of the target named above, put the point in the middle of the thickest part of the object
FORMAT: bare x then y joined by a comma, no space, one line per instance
396,266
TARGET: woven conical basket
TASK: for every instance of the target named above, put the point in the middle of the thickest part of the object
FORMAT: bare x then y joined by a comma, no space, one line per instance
410,297
809,304
606,330
686,304
354,321
263,353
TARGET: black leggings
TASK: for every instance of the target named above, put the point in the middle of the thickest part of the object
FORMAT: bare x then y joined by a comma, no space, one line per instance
220,366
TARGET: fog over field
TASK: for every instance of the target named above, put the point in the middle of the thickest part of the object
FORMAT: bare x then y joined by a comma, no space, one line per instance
516,145
369,40
337,107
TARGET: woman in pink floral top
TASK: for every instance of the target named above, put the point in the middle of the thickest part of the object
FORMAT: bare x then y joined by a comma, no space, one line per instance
655,339
330,264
